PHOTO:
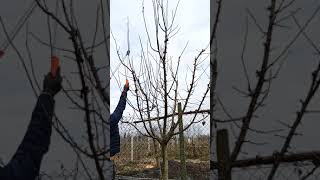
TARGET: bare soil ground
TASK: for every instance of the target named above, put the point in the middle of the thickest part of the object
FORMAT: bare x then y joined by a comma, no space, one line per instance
196,169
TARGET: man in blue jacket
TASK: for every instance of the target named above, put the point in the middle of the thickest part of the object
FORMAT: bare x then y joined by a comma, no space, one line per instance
114,120
25,164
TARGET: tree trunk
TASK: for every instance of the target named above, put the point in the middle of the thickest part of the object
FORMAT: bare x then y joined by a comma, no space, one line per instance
164,165
156,152
131,148
149,147
223,155
183,168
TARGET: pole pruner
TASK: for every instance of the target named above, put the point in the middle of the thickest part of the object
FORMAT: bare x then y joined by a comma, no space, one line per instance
55,62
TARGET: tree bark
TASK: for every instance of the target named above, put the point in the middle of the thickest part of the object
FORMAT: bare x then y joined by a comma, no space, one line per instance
183,168
156,152
164,165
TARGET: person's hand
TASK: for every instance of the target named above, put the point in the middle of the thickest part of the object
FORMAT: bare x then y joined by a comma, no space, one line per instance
126,86
52,85
1,53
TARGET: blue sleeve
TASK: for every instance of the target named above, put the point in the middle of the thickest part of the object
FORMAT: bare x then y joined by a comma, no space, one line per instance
25,164
117,113
114,128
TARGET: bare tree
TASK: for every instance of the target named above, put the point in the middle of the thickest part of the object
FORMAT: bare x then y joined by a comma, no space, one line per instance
257,91
158,84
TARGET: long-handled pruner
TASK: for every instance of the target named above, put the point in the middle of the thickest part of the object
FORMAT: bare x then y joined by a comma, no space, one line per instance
55,62
127,54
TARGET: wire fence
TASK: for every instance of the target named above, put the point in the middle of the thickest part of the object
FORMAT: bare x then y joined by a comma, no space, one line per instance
140,155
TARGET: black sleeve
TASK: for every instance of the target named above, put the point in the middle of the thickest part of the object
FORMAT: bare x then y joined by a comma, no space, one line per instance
25,164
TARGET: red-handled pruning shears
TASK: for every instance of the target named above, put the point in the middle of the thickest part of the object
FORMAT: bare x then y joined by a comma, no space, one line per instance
54,66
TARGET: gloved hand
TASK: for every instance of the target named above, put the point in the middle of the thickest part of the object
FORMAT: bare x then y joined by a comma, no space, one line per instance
125,87
1,53
52,85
